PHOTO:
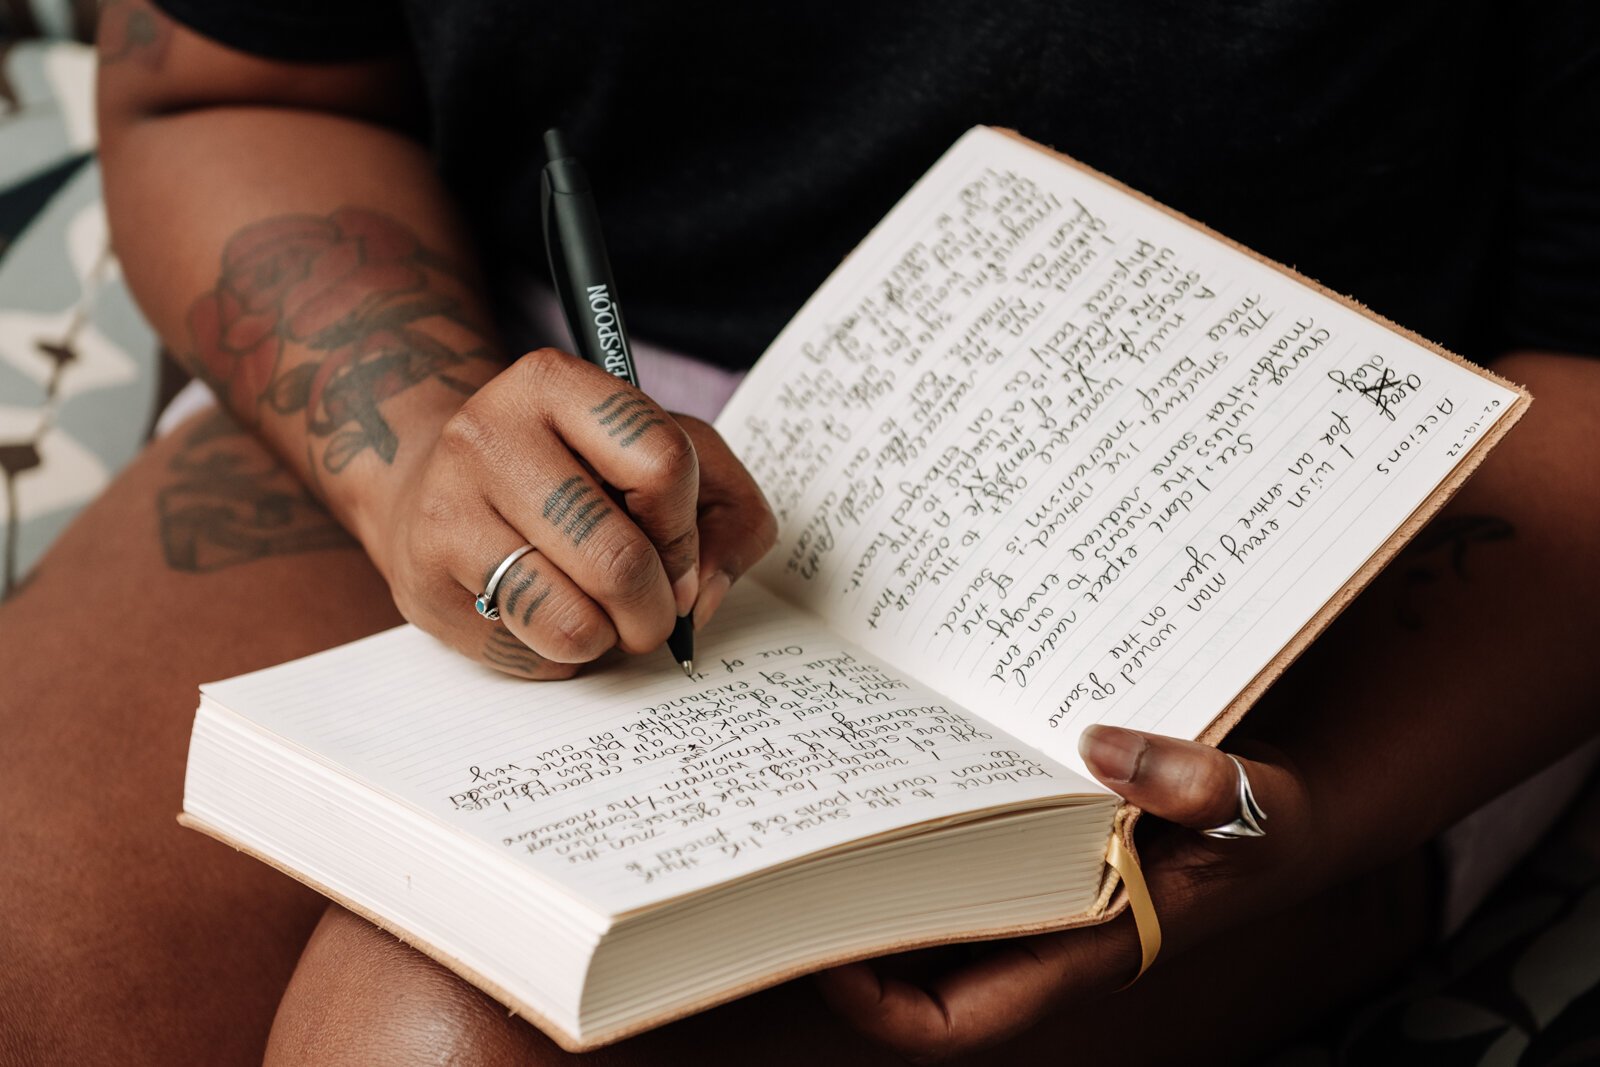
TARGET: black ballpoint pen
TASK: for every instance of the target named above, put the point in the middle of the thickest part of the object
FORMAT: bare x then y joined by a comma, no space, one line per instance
581,272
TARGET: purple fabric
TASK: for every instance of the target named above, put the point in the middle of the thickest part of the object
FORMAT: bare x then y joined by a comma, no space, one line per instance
675,381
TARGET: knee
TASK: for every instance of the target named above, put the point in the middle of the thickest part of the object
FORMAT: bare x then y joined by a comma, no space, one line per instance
359,996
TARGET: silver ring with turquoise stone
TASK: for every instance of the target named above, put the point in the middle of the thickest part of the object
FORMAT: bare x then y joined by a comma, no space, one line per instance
484,601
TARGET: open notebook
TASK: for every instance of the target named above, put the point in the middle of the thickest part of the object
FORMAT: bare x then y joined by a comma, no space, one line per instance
1043,454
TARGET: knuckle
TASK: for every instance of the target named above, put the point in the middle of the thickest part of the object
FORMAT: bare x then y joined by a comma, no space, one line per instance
682,549
578,635
629,568
543,364
672,460
1209,788
542,357
468,432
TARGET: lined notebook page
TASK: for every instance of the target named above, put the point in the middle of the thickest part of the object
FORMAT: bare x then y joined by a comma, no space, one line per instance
1069,460
635,784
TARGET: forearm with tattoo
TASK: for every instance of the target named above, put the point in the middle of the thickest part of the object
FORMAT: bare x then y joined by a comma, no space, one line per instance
327,317
231,502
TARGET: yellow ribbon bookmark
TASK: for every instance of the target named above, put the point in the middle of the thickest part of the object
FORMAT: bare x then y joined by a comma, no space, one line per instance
1126,864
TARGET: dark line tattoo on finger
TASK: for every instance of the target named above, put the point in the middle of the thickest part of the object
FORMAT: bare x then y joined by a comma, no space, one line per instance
642,411
636,434
636,415
561,499
533,605
504,650
576,508
522,583
585,519
612,413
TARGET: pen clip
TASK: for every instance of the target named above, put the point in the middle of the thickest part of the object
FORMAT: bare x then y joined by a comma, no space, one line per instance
555,255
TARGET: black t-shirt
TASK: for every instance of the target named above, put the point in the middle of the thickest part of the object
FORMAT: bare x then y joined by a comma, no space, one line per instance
1436,159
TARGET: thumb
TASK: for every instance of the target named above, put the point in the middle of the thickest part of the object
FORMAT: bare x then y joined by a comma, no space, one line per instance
1184,782
736,525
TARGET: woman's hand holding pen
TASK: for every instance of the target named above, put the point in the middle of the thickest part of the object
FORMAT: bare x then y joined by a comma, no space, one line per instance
635,517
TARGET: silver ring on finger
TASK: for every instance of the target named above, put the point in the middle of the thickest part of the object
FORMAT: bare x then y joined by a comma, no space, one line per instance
1248,823
484,601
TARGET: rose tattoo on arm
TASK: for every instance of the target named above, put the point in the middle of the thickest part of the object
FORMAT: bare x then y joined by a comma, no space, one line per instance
328,317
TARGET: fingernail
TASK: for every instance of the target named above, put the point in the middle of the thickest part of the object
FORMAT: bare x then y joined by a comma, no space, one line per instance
711,594
1111,752
686,589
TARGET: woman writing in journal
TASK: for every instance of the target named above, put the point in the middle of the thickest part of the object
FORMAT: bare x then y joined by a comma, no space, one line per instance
327,211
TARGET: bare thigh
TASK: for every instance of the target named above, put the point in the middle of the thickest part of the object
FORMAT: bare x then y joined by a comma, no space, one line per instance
361,997
122,936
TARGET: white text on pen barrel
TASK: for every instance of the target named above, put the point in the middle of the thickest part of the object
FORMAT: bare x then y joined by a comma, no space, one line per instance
605,329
